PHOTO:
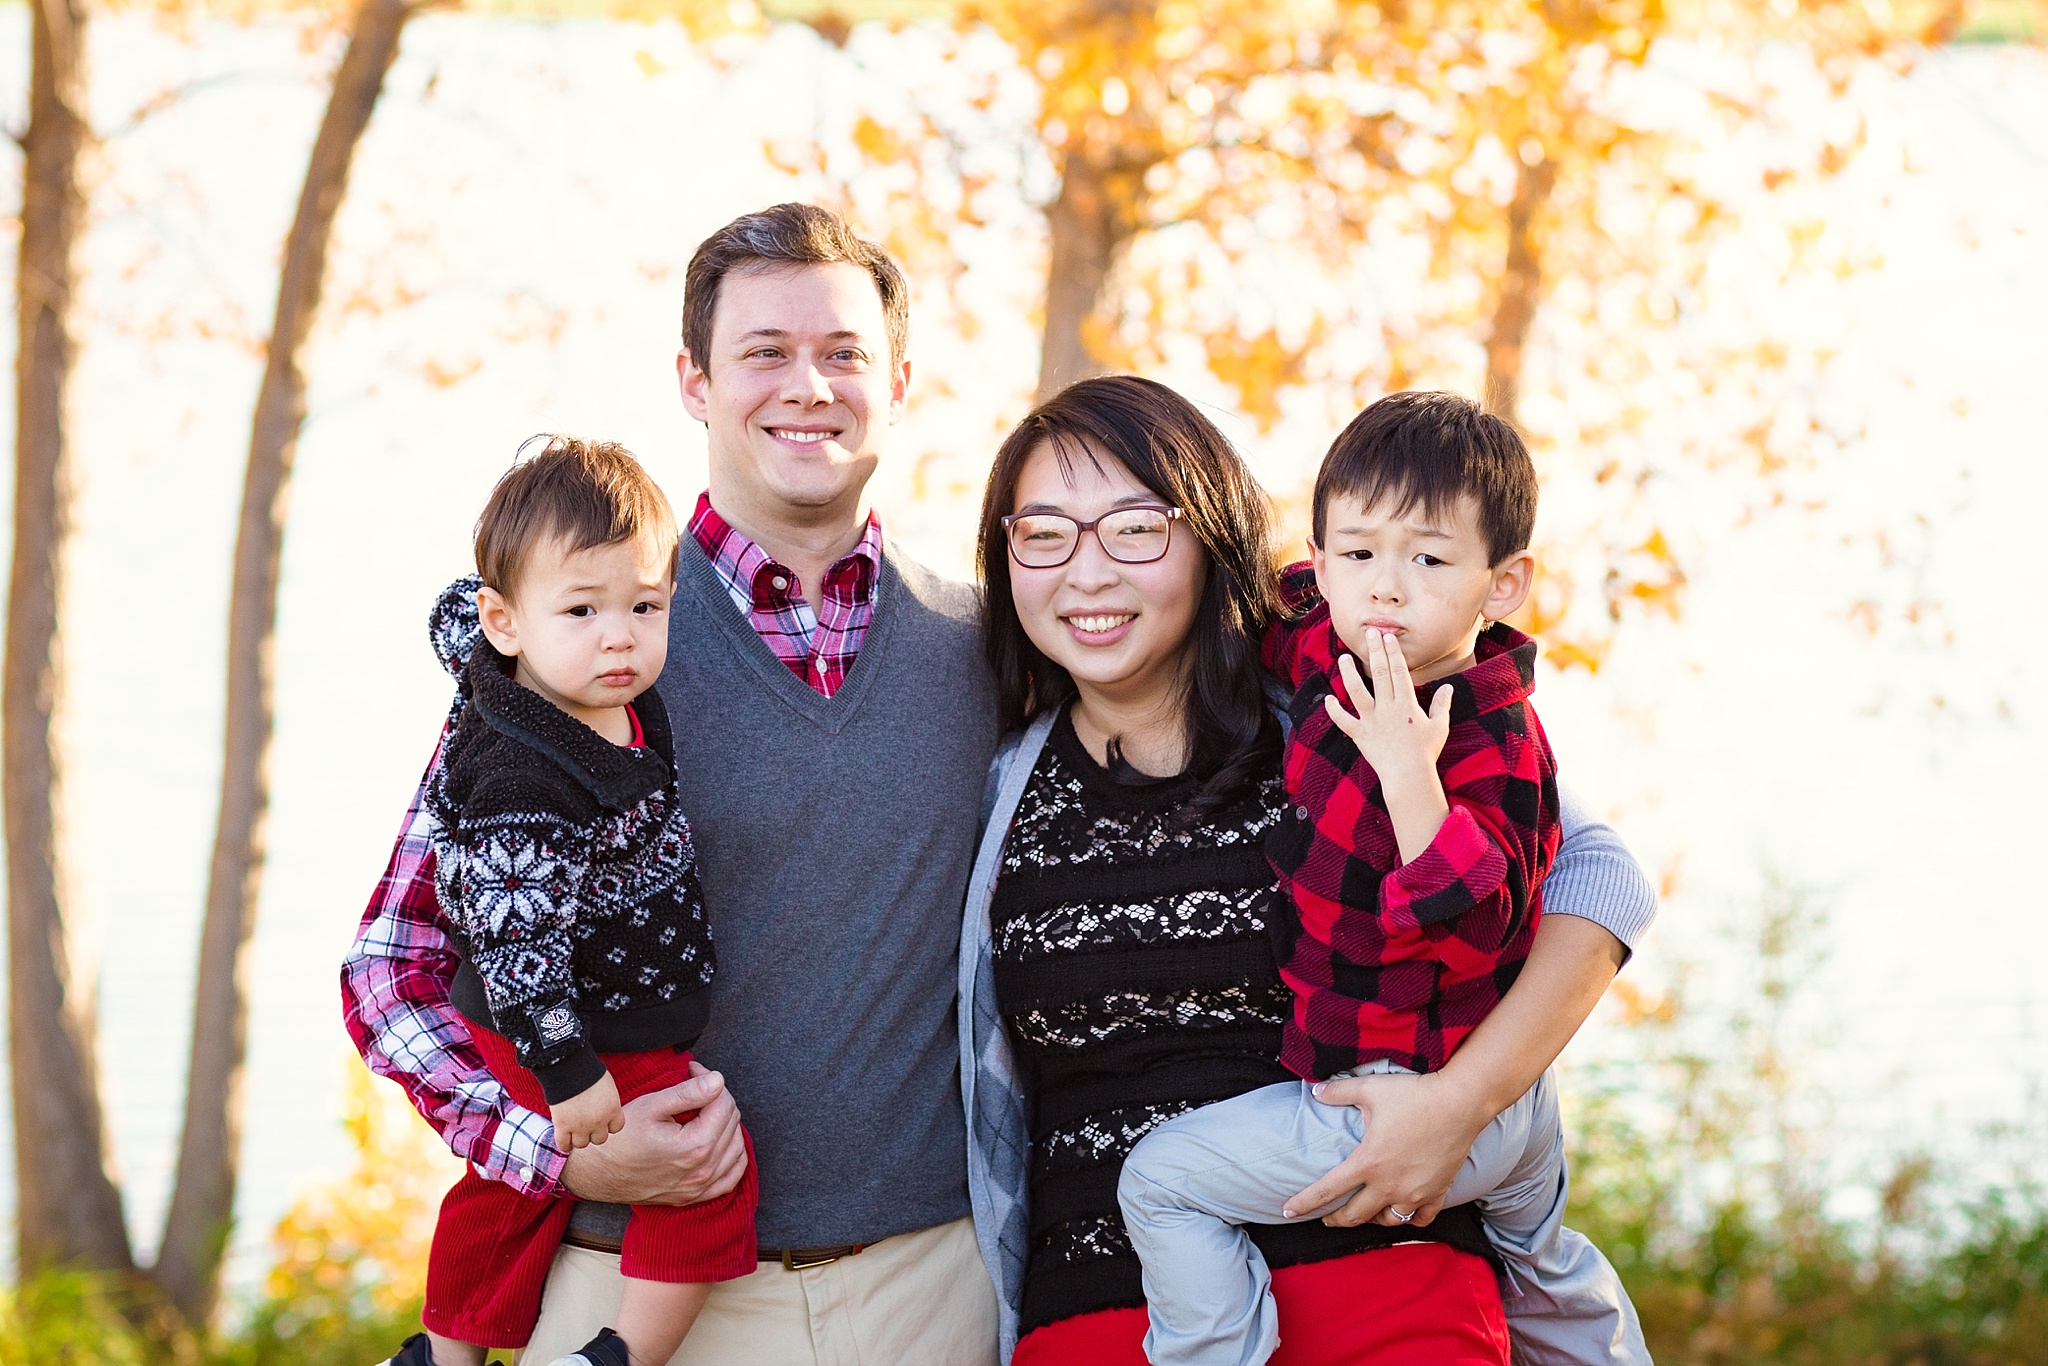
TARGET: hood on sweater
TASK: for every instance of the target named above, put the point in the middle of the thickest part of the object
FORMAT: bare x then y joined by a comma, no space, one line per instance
453,627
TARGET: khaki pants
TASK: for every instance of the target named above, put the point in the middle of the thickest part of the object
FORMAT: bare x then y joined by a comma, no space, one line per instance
918,1299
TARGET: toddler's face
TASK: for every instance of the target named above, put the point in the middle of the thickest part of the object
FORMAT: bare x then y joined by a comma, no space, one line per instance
589,629
1423,580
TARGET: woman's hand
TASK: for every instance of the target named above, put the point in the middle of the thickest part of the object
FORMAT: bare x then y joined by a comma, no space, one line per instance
590,1116
1418,1130
655,1161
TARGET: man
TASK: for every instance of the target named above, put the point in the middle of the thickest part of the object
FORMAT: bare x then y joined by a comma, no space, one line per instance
834,722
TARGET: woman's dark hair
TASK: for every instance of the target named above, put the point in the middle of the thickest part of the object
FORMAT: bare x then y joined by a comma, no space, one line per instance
1170,448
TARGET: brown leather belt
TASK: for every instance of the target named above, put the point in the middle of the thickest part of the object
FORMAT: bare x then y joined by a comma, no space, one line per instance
792,1258
804,1258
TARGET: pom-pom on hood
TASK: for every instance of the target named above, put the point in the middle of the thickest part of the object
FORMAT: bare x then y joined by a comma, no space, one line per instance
453,627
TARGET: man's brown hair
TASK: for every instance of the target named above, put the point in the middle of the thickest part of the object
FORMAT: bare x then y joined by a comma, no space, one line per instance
1429,450
787,235
583,493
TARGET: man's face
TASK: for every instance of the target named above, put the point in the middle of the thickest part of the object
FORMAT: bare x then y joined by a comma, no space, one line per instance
798,393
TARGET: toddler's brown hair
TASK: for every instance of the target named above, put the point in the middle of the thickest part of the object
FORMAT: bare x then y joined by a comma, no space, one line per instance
583,493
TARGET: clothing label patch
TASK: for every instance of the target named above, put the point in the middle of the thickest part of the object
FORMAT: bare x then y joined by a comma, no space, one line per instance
557,1024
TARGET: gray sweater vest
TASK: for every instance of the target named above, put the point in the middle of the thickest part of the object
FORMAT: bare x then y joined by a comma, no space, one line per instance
834,837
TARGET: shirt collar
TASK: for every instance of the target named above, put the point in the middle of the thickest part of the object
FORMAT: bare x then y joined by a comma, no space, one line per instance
749,572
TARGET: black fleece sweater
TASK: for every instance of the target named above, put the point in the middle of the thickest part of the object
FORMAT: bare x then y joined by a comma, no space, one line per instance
566,866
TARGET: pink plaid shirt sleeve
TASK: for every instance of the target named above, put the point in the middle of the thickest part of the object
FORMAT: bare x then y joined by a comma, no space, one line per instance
394,994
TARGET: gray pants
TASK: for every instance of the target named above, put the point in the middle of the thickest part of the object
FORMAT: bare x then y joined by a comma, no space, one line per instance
1191,1183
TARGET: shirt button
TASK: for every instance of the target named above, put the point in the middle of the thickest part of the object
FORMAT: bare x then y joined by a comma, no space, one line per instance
526,1174
1301,813
781,583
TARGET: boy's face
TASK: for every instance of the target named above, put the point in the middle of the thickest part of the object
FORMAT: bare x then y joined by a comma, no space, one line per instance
589,629
1425,581
798,394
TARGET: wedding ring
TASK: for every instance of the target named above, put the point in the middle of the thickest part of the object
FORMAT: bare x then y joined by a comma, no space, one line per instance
1407,1218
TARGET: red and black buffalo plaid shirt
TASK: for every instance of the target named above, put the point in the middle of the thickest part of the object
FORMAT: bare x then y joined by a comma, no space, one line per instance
1398,961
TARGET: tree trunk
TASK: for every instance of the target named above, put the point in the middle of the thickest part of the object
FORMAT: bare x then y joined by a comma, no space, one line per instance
202,1203
69,1207
1521,285
1091,223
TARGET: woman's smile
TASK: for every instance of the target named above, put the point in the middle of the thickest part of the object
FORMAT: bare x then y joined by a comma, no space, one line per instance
1098,628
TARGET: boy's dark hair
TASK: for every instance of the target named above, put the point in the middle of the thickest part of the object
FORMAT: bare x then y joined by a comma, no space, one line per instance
787,235
584,493
1430,449
1167,445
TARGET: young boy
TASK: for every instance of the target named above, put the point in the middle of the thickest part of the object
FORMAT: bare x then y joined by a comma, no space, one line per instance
1426,816
566,869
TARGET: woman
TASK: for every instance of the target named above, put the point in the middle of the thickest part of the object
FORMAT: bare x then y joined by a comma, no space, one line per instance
1115,963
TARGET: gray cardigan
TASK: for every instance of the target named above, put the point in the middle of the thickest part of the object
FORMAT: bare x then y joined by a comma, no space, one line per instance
1594,877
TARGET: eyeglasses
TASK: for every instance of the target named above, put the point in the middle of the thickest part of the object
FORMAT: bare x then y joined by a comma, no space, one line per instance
1132,535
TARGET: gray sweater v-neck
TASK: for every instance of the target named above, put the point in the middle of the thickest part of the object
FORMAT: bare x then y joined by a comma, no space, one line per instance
834,839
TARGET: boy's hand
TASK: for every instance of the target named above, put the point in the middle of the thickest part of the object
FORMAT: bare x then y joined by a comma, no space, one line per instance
590,1116
1391,729
1398,738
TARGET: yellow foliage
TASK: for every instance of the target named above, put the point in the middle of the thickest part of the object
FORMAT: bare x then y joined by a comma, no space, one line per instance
1260,368
877,143
360,1242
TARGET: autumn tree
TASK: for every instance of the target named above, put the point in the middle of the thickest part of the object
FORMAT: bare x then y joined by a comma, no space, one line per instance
1228,177
202,1200
68,1209
1154,115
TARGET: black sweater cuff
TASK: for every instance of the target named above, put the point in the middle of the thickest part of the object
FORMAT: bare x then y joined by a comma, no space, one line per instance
572,1076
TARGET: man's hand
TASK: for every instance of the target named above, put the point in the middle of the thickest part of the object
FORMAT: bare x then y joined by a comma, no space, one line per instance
1398,738
654,1160
590,1116
1418,1130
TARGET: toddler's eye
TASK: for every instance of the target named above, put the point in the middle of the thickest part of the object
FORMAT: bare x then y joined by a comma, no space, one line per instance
1359,555
582,610
643,609
1428,561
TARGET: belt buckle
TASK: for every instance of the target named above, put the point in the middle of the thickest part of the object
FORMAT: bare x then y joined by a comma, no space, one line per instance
794,1260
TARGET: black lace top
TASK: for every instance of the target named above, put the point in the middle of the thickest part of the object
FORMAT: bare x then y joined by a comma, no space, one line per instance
1135,975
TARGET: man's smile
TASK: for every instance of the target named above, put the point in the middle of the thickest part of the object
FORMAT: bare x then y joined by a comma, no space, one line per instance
804,436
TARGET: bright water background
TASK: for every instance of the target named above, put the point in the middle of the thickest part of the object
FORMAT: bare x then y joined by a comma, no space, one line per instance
510,260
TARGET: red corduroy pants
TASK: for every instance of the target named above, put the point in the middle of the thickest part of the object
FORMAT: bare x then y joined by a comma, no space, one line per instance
493,1246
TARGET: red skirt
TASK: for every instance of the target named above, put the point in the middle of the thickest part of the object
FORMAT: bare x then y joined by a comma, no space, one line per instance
1418,1304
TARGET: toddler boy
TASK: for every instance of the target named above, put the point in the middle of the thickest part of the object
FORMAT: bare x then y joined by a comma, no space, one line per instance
566,868
1425,817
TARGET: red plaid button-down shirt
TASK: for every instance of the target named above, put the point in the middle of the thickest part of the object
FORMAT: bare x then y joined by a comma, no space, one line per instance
819,645
396,977
1400,961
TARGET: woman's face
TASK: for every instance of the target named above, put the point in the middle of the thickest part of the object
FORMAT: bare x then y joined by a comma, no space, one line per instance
1119,629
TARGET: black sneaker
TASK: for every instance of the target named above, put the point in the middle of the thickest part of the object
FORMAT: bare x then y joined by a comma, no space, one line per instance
606,1349
414,1351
